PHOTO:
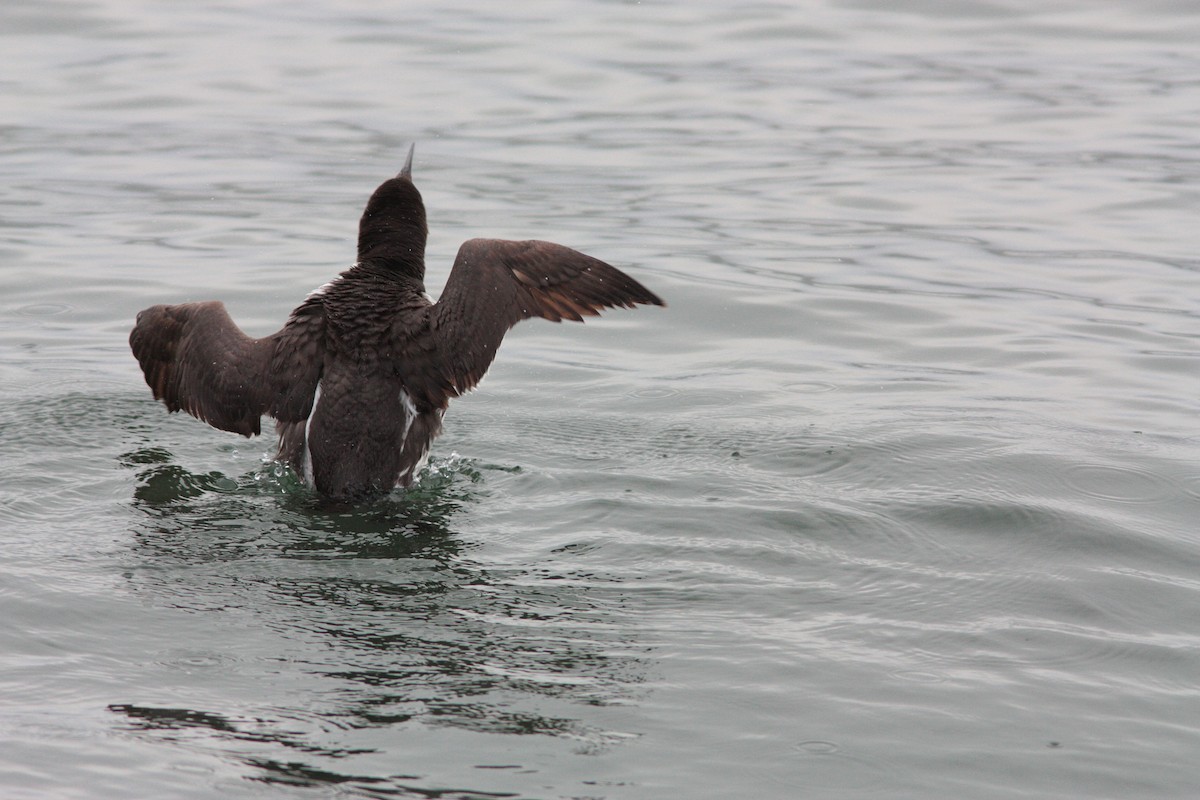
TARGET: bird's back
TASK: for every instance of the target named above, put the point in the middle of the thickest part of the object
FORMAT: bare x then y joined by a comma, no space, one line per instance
365,434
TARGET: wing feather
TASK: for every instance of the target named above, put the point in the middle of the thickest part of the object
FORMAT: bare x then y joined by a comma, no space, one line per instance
495,284
196,359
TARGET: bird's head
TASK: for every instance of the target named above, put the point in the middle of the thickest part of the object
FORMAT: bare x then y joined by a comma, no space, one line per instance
392,231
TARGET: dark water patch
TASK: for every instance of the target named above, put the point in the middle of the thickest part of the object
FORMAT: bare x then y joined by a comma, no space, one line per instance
268,511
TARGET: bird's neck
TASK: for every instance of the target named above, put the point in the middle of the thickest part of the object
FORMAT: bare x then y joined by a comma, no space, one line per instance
394,249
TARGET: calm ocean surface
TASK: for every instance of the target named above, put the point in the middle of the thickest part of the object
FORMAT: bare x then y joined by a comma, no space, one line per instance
898,498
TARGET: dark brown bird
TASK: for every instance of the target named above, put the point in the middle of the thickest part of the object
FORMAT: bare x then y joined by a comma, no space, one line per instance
360,375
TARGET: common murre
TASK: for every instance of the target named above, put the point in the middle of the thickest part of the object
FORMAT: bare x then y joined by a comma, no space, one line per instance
359,377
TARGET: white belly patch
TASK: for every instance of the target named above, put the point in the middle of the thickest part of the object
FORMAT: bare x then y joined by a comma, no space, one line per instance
308,465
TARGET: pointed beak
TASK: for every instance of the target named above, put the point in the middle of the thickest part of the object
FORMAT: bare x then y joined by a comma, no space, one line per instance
407,171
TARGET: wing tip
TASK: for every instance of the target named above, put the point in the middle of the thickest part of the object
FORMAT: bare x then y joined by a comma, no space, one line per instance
651,299
162,341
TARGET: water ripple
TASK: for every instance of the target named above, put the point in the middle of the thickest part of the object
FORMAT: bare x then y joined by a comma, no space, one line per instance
1120,483
899,489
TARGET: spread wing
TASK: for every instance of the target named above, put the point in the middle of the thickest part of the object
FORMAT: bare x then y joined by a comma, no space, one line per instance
495,284
196,359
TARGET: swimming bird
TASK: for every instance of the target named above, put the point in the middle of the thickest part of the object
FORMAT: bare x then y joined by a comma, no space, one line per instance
360,376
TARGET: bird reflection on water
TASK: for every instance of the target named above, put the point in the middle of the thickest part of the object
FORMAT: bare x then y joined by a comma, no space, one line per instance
386,623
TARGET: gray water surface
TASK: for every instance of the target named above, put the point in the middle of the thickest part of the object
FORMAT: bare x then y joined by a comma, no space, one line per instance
897,498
